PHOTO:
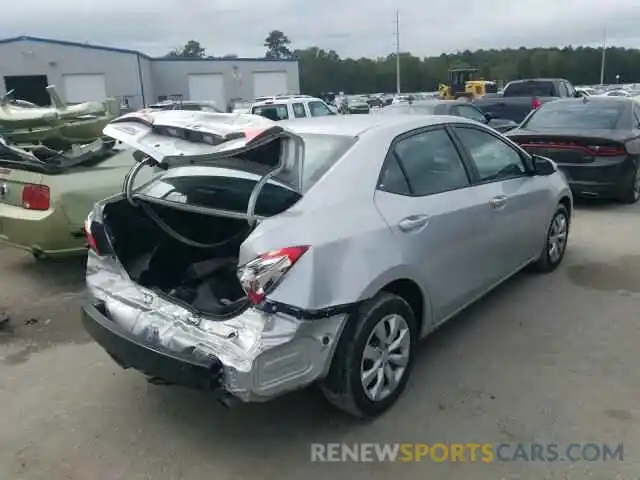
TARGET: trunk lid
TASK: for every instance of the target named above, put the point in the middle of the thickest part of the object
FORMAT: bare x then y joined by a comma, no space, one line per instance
174,138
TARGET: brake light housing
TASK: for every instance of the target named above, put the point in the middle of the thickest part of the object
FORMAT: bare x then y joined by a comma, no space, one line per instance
91,240
263,274
607,150
535,104
595,150
36,197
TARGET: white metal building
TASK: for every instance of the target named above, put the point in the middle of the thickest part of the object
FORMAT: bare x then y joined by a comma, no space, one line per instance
83,72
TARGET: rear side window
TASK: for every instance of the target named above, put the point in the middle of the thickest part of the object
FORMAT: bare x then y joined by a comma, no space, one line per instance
591,115
431,163
272,112
532,88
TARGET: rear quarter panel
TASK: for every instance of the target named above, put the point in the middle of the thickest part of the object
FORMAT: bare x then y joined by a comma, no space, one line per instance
353,251
76,191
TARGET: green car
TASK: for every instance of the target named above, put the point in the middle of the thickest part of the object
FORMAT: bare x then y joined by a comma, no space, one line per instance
45,198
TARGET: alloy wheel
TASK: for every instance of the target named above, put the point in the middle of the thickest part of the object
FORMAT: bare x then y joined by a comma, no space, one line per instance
557,237
385,357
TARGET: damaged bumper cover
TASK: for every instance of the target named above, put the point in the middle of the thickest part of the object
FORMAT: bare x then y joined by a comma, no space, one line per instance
254,356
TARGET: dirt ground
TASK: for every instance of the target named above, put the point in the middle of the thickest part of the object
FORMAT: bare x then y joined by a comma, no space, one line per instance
545,359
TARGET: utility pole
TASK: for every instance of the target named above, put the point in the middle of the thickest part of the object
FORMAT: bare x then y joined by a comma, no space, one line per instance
604,55
397,52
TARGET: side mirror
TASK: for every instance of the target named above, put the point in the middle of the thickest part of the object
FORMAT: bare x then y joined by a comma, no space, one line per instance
490,116
543,166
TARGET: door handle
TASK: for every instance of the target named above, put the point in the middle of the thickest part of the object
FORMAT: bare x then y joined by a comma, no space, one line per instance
413,222
498,202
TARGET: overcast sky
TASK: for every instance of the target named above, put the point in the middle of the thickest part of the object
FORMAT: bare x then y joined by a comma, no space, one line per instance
351,27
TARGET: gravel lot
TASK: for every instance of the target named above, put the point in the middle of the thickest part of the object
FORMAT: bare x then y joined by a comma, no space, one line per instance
543,359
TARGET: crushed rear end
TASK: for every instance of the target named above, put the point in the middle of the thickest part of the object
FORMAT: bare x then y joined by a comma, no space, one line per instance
175,290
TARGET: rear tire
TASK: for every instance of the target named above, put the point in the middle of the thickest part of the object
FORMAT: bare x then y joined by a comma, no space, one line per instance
555,244
376,349
630,192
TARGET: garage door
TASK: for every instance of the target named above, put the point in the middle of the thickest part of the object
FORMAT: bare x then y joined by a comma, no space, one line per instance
269,83
208,87
84,88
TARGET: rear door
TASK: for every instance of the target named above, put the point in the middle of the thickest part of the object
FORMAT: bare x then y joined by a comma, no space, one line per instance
441,224
516,200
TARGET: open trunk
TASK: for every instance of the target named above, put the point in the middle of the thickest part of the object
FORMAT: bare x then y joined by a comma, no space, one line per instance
203,279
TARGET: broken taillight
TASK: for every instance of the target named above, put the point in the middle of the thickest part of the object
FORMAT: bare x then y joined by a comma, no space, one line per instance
91,240
261,275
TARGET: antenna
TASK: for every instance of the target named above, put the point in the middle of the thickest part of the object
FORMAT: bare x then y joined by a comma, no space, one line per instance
397,52
604,55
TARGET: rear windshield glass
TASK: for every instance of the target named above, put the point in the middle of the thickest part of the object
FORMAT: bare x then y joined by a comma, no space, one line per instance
427,108
586,115
226,189
530,89
272,112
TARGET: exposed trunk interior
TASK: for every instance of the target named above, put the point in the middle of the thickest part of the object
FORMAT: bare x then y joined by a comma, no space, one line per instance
202,278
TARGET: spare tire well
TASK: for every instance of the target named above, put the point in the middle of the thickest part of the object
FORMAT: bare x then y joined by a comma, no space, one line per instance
411,293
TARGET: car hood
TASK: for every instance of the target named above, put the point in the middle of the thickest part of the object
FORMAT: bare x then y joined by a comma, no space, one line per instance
177,137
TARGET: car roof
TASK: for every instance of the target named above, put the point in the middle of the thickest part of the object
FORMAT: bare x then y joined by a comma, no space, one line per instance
356,125
286,100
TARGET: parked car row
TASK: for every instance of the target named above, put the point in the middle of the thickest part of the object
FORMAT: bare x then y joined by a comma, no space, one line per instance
257,254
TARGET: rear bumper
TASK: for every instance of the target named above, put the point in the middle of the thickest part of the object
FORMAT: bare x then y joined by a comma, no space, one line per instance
153,360
603,178
41,233
261,355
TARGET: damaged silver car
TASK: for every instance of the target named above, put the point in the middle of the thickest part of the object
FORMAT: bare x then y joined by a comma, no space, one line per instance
264,257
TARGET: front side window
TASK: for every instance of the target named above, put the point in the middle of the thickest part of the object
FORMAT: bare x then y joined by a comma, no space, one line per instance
430,163
298,110
493,158
319,109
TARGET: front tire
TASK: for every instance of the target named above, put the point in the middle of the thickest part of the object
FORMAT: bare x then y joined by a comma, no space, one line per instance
373,358
555,245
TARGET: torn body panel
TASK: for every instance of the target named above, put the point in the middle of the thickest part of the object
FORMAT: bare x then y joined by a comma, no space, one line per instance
262,354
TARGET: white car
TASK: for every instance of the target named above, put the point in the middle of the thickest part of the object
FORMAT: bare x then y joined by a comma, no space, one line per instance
288,108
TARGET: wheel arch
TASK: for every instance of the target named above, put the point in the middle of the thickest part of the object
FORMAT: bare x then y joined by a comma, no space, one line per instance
410,291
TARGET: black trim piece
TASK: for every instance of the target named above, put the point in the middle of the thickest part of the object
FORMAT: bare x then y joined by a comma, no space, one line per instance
270,306
154,361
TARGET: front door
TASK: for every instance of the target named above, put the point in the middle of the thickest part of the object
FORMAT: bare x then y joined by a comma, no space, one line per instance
515,198
442,229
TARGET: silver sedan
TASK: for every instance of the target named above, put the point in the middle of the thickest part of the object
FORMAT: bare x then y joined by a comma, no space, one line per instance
266,257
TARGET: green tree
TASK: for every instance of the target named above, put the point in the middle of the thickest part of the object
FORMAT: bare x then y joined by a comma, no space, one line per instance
277,44
191,49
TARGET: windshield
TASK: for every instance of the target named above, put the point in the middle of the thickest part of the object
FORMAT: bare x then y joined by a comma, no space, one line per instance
532,88
583,115
273,112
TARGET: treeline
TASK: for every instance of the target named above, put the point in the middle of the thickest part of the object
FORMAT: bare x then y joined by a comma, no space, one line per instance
324,71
